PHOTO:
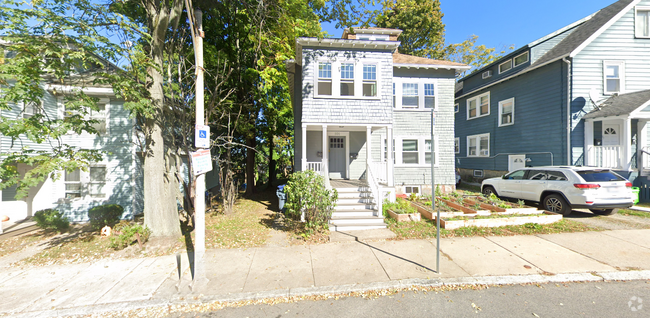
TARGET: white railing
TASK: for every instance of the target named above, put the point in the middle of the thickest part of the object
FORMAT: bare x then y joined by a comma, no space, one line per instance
315,166
645,158
375,188
606,156
379,171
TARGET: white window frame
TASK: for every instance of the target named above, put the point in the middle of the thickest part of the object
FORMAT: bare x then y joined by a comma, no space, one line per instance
424,86
383,149
456,107
514,60
416,86
86,183
397,155
457,145
621,77
477,100
645,9
358,78
512,120
478,145
91,114
348,80
320,79
412,187
398,93
34,110
504,63
369,81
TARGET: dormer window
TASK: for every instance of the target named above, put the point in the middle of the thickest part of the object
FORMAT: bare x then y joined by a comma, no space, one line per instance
325,79
505,66
347,79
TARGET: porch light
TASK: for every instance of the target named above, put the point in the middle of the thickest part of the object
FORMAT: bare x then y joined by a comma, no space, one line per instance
586,186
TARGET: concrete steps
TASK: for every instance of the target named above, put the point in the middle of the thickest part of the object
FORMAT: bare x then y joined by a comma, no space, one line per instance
355,210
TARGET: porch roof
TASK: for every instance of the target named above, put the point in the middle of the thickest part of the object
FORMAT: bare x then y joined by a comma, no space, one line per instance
618,105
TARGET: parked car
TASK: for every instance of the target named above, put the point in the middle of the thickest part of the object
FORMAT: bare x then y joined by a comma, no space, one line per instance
561,189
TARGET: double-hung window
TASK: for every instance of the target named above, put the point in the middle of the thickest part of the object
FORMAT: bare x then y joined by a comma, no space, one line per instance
97,182
347,79
79,183
72,180
613,77
100,116
394,96
507,112
427,151
457,145
478,145
32,108
410,151
369,80
642,22
410,97
478,106
429,96
325,79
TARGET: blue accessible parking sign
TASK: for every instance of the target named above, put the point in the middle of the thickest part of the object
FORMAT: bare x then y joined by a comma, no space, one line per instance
202,136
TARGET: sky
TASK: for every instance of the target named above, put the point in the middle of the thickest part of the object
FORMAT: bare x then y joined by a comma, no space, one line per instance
501,23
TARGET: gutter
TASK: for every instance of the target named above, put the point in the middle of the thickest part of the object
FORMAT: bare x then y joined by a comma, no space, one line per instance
568,110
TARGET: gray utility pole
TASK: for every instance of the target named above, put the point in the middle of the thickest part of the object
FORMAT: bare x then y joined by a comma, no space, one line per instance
433,189
199,184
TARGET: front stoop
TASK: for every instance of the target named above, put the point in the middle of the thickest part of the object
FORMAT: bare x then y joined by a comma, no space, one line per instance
355,210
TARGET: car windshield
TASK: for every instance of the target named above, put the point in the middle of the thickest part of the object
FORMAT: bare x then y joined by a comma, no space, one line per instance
599,176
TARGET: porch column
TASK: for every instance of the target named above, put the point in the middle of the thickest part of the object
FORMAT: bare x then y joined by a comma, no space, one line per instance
324,166
389,156
589,142
641,142
627,148
303,144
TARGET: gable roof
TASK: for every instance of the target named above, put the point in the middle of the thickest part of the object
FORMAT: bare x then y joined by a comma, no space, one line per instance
587,30
584,32
617,105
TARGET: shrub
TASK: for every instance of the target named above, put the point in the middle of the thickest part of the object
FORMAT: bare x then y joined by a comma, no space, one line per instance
306,192
51,219
400,206
107,214
127,235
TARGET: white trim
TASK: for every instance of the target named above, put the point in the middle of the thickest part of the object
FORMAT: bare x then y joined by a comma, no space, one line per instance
336,79
506,62
433,66
639,113
420,81
512,121
412,186
478,145
345,134
67,89
421,143
636,10
603,28
477,98
621,76
514,60
562,30
457,143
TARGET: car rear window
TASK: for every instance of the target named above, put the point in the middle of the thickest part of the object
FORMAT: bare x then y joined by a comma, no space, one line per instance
599,176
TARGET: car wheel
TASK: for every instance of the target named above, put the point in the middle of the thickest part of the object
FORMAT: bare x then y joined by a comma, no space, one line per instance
604,211
556,203
488,191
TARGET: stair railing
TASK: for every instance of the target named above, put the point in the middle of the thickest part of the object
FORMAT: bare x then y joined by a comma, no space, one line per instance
375,188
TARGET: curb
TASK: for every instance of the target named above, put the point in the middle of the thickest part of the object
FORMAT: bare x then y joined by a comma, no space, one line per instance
343,289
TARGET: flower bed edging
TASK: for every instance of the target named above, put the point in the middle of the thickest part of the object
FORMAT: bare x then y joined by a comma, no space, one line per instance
426,213
404,217
500,210
546,217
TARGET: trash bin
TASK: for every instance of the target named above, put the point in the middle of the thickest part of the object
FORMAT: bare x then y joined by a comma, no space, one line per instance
282,197
635,194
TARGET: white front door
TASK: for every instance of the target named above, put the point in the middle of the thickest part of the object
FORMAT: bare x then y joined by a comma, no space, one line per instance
611,135
337,169
516,162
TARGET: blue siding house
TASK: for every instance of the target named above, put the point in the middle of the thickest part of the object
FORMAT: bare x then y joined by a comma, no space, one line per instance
577,96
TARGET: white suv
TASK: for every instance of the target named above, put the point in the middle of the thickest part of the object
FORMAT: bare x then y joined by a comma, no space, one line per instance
560,189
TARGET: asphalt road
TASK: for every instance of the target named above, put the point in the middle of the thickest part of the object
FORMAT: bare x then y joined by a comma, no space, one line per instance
602,299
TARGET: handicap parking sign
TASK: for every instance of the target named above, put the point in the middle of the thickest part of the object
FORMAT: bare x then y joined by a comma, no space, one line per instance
202,136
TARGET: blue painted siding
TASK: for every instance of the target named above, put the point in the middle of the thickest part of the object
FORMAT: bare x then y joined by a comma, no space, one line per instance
476,80
539,124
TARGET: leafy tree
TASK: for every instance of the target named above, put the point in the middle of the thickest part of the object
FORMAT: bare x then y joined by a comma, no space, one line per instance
61,43
474,55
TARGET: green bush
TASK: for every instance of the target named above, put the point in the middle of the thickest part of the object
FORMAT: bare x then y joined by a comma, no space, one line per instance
306,192
400,206
124,234
51,219
107,214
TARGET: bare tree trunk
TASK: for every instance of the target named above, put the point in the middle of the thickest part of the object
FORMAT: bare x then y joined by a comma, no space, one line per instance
250,164
160,209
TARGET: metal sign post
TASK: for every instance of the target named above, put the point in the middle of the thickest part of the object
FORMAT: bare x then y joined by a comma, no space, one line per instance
433,190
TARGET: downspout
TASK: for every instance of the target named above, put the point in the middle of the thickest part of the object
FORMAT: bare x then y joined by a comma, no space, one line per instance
568,112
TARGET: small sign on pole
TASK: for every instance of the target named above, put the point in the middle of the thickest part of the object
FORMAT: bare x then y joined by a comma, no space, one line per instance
202,136
201,161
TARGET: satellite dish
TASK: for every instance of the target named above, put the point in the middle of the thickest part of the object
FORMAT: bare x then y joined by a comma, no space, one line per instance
593,96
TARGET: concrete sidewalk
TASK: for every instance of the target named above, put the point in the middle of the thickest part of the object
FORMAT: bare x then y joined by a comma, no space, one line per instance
240,274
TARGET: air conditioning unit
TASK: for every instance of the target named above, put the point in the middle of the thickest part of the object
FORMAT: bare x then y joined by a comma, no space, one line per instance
484,153
487,74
